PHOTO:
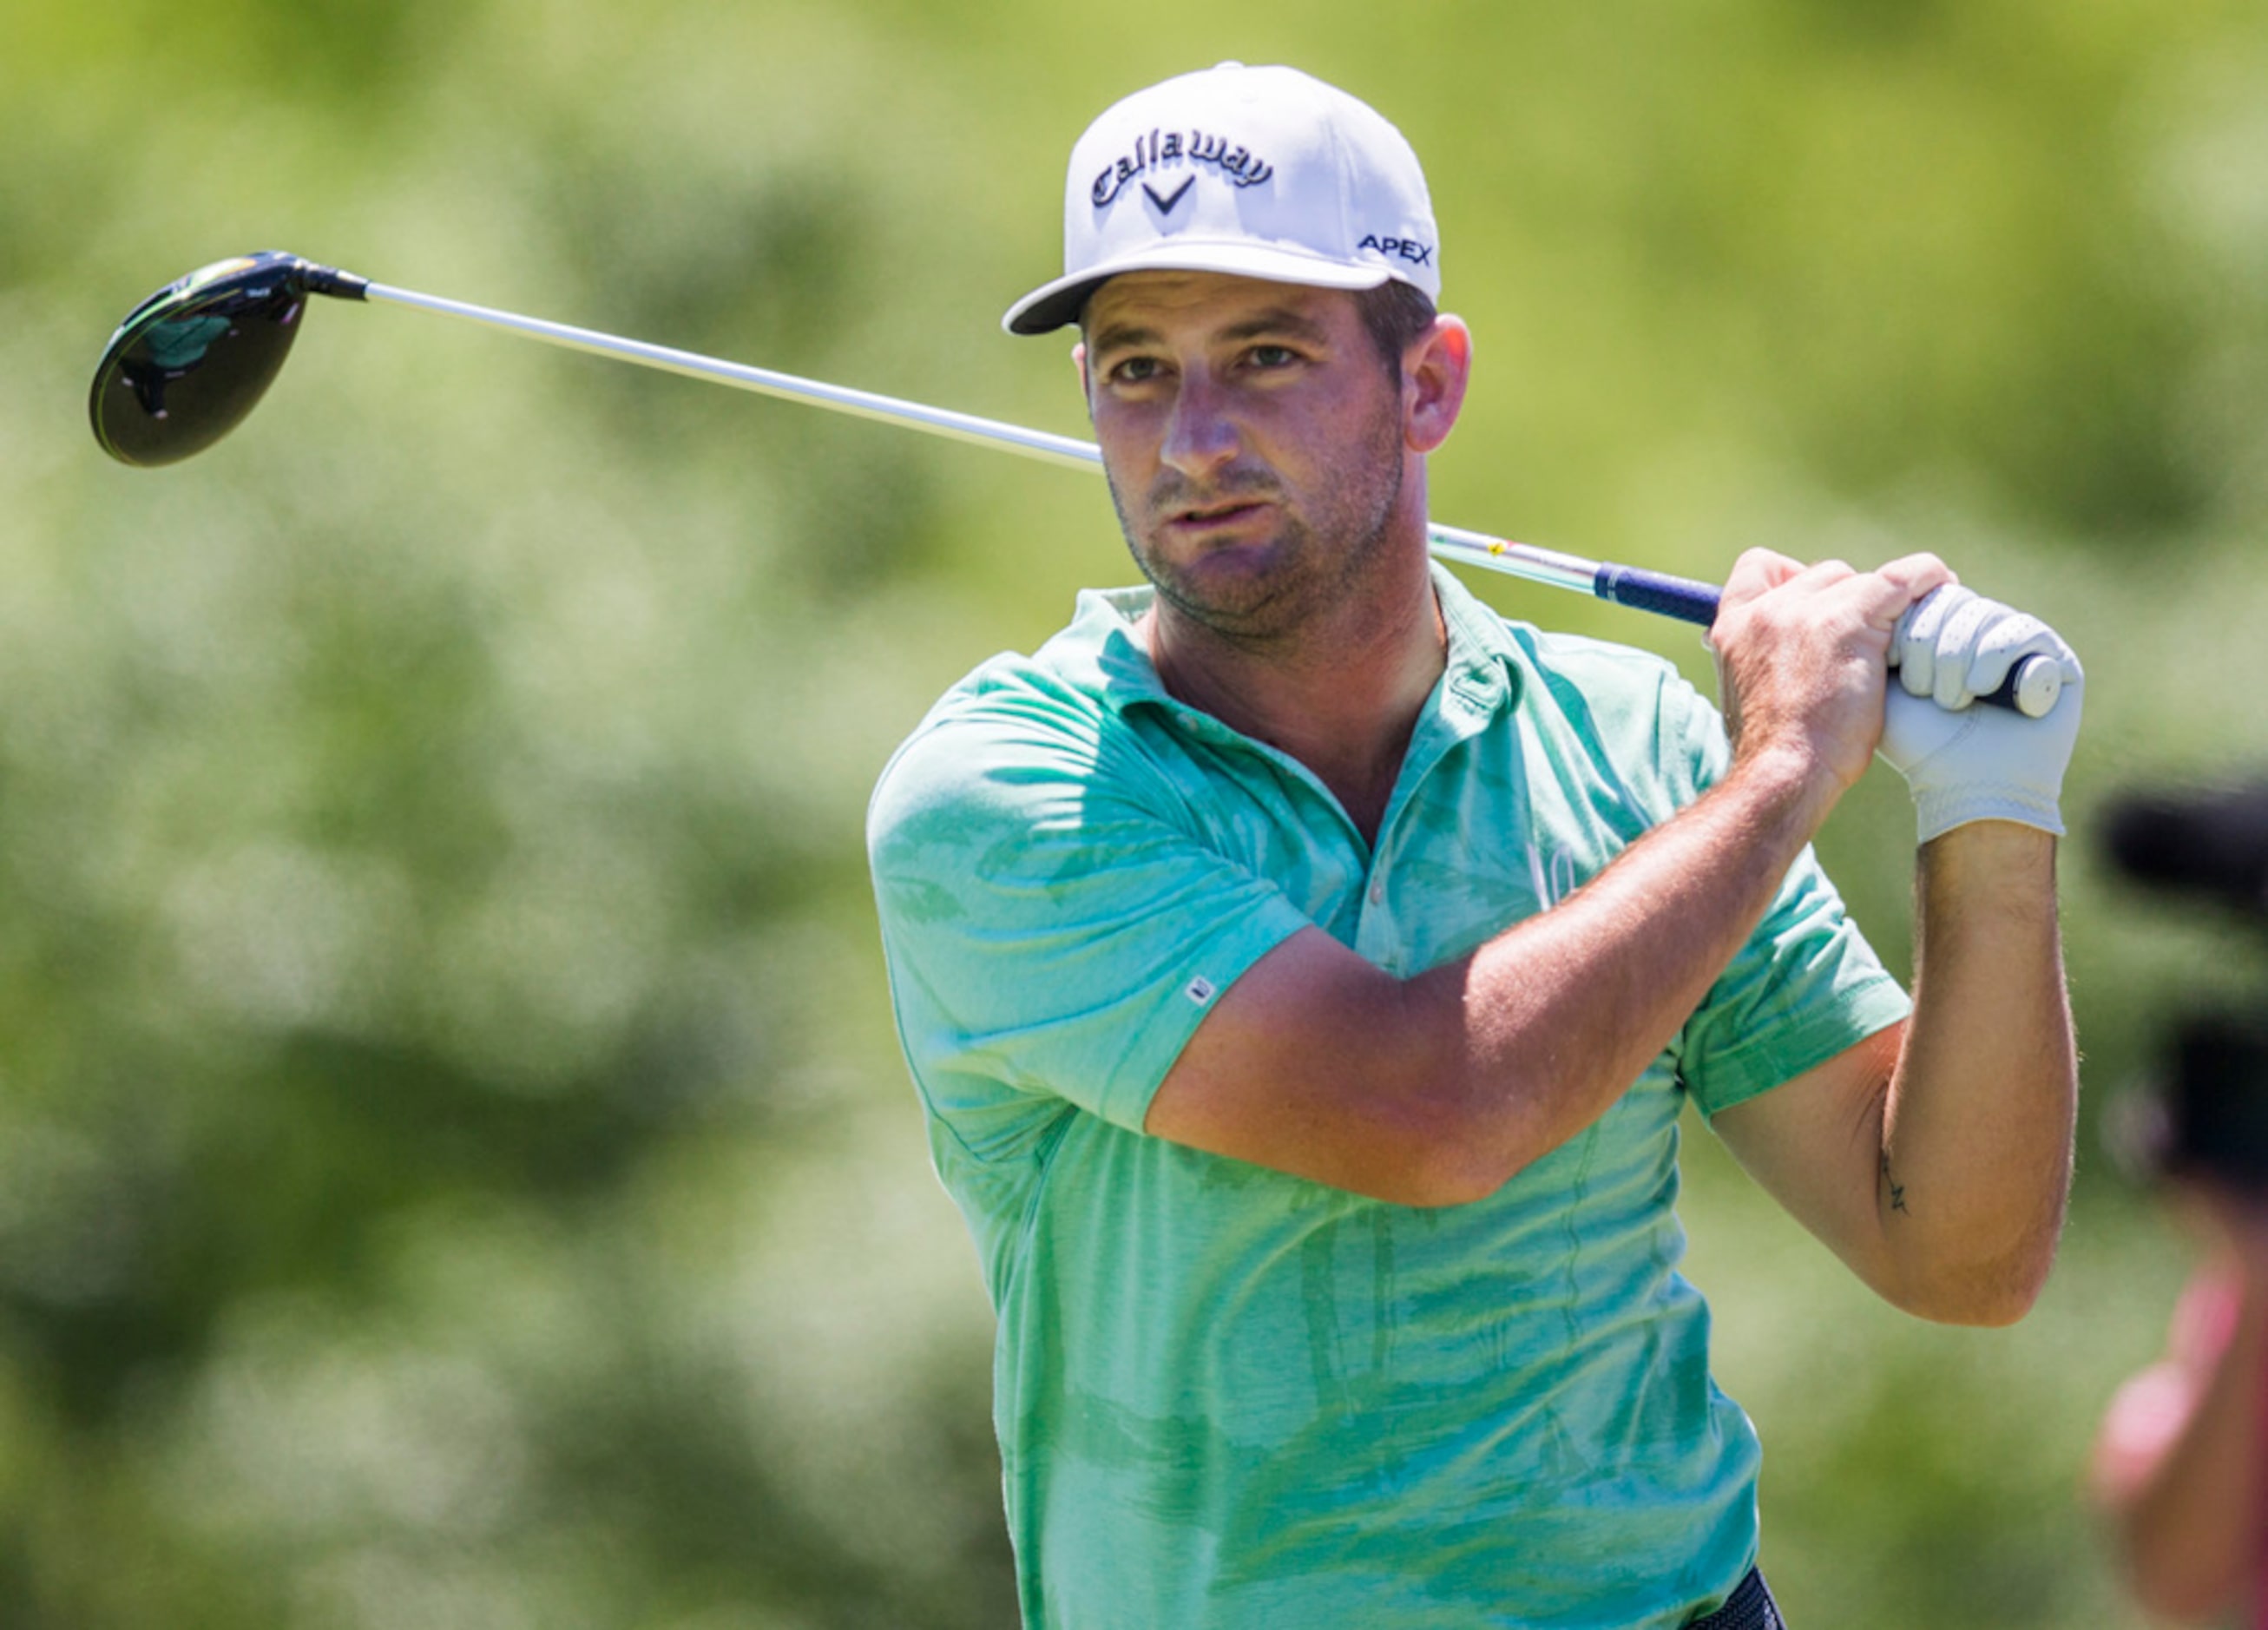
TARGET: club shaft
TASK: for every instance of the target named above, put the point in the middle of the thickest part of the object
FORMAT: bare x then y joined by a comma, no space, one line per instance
1678,597
865,404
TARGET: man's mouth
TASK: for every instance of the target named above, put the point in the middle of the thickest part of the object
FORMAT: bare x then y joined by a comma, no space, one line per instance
1205,517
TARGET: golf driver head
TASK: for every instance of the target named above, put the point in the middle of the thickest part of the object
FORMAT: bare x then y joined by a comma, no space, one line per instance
189,362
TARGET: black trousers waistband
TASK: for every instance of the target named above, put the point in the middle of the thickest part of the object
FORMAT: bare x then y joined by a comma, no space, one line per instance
1749,1607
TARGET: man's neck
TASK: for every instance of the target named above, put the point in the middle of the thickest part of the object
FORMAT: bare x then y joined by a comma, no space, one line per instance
1341,694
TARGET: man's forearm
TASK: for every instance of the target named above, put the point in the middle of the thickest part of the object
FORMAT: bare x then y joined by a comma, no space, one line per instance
1435,1091
1976,1133
1554,1019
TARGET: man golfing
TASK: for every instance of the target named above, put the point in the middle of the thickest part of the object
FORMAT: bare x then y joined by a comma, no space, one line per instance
1303,967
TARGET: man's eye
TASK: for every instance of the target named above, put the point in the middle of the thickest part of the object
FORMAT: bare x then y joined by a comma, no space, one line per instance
1273,356
1135,370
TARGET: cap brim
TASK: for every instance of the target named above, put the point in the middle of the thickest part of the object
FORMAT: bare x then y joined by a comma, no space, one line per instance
1058,304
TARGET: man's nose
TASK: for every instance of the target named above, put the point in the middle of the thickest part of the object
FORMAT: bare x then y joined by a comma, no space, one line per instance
1201,434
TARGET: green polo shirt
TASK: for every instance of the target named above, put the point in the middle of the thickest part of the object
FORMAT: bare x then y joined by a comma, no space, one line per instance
1228,1396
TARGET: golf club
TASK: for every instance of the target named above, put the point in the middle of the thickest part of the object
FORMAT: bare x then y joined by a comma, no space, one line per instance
190,362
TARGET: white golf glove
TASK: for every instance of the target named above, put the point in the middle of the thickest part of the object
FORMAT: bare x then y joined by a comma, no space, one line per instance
1962,762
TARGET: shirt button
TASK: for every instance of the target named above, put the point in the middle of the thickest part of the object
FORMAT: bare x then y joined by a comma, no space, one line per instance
1378,892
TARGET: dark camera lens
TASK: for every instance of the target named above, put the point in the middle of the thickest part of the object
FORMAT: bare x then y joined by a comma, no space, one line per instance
2216,1103
2211,842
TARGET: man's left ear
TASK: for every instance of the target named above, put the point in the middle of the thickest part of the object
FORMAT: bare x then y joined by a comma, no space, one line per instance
1435,371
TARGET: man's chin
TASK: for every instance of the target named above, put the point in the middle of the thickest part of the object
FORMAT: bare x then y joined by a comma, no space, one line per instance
1232,589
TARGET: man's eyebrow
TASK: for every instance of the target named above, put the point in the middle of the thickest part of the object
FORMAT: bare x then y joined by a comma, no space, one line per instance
1122,333
1275,320
1278,319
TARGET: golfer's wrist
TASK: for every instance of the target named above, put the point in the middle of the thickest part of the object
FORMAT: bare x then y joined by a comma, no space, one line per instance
2007,860
1784,783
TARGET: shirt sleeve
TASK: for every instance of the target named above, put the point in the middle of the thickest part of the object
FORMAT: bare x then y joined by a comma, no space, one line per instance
1804,987
1053,924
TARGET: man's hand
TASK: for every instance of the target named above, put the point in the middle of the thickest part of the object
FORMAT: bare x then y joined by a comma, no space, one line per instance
1802,651
1964,762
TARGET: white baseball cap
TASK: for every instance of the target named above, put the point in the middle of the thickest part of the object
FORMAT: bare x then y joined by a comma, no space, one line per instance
1263,173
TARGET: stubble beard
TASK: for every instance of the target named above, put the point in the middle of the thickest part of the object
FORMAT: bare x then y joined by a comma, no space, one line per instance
1313,570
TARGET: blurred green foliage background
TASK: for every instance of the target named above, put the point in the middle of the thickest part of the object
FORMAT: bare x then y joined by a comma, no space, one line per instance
455,1169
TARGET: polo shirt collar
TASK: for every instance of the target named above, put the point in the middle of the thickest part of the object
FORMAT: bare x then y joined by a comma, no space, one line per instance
1103,653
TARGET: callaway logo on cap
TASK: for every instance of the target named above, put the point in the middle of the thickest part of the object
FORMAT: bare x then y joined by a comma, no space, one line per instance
1260,171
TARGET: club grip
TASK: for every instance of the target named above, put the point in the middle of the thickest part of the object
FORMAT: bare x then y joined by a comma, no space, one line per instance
2031,688
1657,592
